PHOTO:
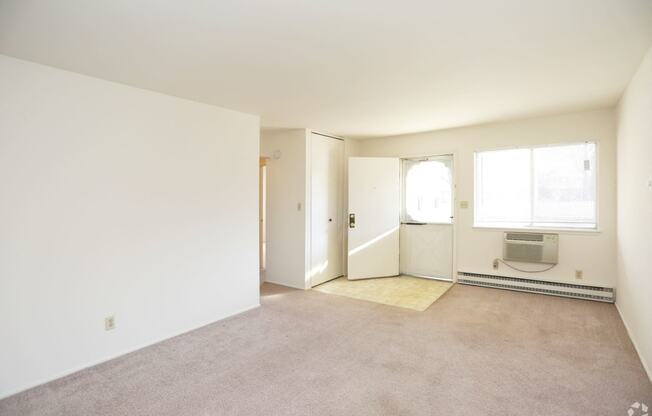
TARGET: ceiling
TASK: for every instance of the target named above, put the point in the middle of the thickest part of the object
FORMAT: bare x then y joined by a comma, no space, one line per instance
356,68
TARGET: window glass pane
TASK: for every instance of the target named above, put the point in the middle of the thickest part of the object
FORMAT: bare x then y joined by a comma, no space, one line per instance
503,187
553,186
427,190
564,184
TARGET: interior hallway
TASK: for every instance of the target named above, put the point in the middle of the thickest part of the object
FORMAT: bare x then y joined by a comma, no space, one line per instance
474,351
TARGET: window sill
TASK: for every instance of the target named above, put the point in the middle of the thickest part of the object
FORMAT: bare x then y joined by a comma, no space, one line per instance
539,229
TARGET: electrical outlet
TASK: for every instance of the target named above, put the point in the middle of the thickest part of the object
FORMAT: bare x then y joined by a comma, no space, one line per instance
495,264
579,274
109,323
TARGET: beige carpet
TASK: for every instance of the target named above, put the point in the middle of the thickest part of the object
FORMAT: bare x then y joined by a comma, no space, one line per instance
475,351
403,291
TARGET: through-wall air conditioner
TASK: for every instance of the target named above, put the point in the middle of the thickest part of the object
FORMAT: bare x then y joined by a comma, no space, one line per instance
531,247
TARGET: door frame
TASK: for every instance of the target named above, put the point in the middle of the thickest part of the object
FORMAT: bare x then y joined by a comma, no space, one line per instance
262,216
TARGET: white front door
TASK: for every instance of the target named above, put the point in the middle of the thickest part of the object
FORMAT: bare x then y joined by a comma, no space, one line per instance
374,217
427,217
327,227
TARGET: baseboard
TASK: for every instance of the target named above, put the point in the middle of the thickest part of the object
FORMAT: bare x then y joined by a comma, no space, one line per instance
283,284
423,276
638,351
120,354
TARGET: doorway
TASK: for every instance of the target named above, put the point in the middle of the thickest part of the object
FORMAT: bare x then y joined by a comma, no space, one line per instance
401,217
426,237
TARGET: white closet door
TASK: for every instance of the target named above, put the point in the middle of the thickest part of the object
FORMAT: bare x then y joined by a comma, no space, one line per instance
326,230
374,200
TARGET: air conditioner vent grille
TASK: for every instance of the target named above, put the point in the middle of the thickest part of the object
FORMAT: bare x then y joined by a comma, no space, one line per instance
525,237
523,252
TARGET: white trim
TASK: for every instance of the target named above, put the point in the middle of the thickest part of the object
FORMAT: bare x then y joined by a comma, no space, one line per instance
284,284
307,212
636,348
123,352
332,136
536,146
456,213
423,276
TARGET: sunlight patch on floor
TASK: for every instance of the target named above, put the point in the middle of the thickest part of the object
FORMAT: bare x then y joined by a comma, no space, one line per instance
402,291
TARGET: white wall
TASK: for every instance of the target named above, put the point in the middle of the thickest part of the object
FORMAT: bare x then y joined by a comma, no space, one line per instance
476,248
116,201
635,210
287,227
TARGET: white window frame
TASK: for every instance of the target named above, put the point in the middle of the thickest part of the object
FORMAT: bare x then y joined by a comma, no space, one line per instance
571,229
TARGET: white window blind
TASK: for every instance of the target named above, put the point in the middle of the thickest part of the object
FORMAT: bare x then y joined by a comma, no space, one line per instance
548,186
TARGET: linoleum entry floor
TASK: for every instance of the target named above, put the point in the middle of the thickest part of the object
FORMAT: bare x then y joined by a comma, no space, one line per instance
476,351
402,291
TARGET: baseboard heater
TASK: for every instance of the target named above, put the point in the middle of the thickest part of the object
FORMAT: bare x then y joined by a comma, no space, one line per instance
568,290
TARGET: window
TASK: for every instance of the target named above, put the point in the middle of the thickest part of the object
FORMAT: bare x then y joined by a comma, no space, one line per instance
427,190
551,186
